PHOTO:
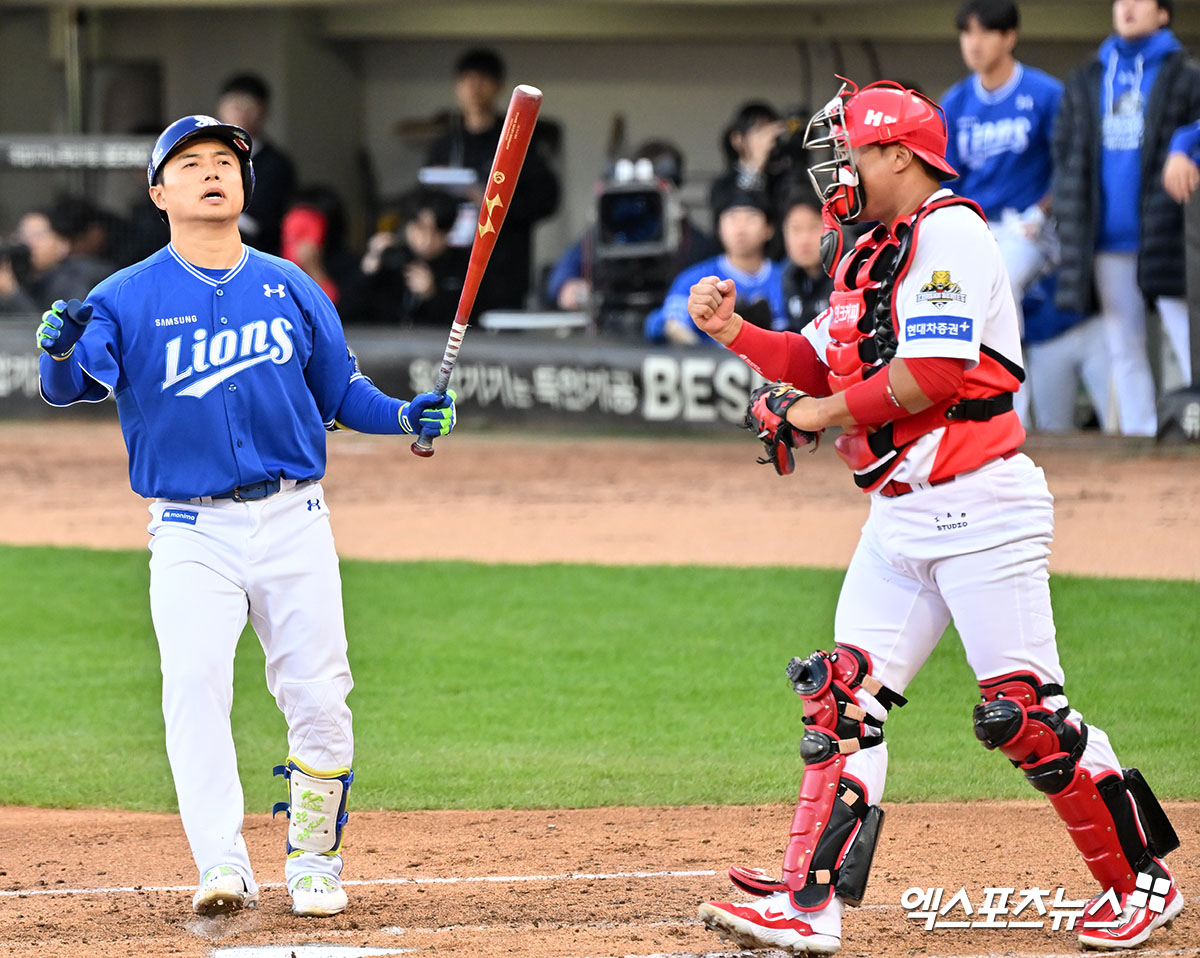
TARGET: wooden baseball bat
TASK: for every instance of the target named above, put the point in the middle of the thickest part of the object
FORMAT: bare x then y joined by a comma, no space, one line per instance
497,196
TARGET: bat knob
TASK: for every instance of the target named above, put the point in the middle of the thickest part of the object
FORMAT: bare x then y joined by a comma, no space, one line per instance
422,447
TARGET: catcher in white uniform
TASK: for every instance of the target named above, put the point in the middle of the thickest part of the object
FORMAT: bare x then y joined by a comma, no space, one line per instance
917,359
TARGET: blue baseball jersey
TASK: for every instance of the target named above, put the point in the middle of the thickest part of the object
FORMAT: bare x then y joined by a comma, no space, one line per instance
222,378
999,141
765,285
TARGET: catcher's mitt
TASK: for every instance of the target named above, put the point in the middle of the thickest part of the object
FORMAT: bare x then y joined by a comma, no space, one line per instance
766,417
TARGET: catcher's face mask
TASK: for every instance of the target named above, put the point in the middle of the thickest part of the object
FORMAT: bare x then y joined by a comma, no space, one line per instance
836,179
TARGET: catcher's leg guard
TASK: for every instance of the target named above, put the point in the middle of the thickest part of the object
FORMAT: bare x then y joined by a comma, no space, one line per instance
834,830
317,810
1115,820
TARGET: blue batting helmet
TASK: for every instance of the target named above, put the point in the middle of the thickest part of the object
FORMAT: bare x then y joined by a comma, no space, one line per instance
209,128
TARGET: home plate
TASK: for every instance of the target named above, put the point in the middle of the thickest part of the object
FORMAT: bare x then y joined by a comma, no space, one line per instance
306,951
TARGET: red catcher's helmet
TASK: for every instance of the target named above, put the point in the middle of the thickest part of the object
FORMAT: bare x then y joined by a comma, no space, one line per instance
882,112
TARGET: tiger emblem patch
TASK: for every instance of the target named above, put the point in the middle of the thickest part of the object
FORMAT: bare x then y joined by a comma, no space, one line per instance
940,290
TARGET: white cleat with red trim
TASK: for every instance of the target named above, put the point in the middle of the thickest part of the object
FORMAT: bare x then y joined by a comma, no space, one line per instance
774,922
1153,904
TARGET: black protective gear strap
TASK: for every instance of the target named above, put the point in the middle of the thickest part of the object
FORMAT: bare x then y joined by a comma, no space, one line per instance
980,410
827,682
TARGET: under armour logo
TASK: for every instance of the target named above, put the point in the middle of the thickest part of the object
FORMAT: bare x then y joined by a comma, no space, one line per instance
314,504
269,291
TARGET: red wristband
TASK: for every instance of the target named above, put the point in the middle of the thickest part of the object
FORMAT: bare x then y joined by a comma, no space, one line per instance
871,401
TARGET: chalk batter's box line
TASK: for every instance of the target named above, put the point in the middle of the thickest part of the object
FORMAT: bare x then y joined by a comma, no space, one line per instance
452,880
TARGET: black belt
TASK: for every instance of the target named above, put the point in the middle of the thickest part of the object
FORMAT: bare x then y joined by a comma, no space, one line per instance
256,490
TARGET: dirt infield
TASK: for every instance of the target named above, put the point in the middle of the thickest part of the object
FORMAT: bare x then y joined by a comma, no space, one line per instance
1123,509
588,883
537,884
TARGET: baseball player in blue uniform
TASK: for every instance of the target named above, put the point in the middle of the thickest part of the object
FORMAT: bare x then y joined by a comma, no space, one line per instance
228,366
999,121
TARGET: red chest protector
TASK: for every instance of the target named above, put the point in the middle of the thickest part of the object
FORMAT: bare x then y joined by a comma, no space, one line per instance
862,321
862,330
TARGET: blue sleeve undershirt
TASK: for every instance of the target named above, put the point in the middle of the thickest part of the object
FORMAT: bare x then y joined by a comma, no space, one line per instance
365,409
1187,140
62,379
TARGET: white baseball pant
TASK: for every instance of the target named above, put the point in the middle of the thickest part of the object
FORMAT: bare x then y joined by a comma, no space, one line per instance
975,550
272,560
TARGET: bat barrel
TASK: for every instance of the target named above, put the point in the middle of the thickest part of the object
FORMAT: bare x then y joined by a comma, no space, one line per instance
515,136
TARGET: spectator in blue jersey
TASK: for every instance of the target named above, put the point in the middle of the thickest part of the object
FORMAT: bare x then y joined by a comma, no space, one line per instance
806,285
999,121
1119,229
1181,172
1062,350
744,228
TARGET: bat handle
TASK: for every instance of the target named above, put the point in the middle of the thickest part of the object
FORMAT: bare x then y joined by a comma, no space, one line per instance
423,447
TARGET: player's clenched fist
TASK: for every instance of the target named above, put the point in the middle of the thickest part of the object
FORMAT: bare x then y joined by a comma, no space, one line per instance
710,304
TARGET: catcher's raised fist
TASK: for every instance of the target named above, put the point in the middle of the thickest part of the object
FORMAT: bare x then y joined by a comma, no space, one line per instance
766,417
710,304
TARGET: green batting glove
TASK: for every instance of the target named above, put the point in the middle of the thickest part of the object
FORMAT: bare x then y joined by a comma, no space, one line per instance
62,325
430,413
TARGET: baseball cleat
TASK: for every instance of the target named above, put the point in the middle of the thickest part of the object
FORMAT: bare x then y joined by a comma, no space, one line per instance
765,924
1153,904
318,896
223,891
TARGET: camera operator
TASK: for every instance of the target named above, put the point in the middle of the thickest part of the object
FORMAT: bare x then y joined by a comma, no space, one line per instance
746,143
602,271
764,153
412,276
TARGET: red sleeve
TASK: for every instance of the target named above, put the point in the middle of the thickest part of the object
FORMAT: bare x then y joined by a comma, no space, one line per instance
939,377
782,355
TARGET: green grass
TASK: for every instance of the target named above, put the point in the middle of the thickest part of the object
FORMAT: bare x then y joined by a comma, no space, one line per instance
557,686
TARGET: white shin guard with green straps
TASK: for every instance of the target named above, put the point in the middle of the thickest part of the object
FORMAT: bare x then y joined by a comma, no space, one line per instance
317,809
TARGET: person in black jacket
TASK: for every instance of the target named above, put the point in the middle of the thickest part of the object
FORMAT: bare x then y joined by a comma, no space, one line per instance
244,102
747,143
412,276
471,143
1119,230
806,285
